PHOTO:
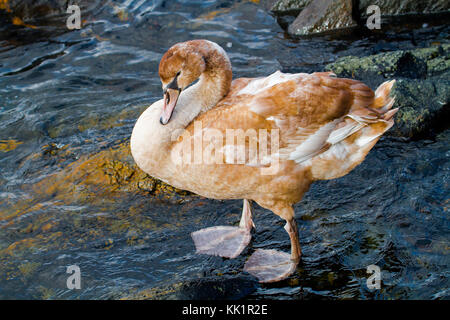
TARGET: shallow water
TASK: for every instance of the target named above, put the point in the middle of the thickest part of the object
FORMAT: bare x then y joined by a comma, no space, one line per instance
65,95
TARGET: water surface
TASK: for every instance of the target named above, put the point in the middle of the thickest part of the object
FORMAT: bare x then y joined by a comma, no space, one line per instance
68,95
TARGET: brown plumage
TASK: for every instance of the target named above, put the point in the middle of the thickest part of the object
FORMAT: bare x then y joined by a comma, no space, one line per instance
317,127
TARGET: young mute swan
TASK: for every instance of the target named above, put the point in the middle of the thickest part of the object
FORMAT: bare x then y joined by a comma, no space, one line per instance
287,131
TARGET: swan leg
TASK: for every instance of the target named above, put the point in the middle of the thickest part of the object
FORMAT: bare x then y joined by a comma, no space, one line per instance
226,241
272,265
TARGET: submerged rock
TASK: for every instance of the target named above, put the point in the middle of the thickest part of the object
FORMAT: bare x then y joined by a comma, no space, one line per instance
107,173
217,288
44,12
422,89
405,7
283,7
323,16
210,288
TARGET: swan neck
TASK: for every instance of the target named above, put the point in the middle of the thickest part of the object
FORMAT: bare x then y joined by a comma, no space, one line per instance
213,85
215,81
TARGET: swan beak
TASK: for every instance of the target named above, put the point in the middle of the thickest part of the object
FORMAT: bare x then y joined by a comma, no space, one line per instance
170,101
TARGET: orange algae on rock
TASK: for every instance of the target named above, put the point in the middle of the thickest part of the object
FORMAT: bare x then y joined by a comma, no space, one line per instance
4,5
9,145
51,213
19,22
104,174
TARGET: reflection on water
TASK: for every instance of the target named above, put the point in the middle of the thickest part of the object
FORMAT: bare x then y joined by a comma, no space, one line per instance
68,95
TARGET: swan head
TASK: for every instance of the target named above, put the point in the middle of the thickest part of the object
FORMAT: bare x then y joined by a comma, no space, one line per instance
180,66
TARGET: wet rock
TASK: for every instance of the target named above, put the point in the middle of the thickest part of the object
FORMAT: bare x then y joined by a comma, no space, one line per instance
211,288
217,288
424,107
422,89
107,173
323,16
44,12
405,7
9,145
287,10
268,4
148,185
328,15
291,7
411,66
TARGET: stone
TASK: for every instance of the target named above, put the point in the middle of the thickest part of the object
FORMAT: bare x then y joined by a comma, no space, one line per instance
292,7
208,288
322,16
45,12
405,7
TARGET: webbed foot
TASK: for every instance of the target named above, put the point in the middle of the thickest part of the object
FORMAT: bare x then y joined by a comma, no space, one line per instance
270,265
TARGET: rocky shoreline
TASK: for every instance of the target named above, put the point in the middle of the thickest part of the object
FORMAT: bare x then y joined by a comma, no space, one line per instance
307,17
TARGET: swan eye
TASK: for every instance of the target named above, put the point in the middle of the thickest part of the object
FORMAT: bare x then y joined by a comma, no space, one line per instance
174,83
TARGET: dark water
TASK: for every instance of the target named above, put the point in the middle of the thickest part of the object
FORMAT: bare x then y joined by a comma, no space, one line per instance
81,91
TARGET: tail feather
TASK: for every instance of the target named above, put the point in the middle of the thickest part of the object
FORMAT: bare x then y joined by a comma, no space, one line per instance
388,106
388,115
352,139
377,118
383,102
382,99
